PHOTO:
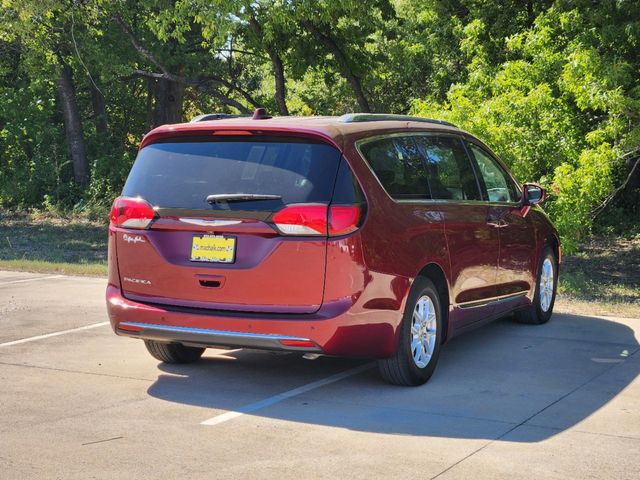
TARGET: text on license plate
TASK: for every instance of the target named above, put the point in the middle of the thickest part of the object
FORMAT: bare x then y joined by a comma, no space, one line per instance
213,248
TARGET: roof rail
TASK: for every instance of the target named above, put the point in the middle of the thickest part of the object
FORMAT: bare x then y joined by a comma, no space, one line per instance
213,116
381,117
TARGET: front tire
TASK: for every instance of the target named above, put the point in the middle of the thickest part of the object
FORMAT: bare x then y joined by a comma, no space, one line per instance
418,348
544,296
173,352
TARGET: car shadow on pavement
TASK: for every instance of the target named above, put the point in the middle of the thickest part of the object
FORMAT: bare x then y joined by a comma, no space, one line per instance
487,383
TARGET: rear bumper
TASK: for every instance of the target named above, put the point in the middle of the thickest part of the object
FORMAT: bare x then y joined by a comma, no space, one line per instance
203,337
333,330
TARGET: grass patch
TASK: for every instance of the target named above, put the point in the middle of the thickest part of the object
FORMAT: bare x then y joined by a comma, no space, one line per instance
42,266
53,244
603,277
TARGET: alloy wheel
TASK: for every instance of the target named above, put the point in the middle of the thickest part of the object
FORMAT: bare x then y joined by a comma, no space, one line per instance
546,284
423,331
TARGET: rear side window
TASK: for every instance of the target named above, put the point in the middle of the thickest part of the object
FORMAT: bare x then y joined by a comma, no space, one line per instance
449,171
423,167
399,166
181,174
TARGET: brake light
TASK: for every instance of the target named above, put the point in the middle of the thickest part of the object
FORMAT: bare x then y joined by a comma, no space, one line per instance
232,132
129,212
313,219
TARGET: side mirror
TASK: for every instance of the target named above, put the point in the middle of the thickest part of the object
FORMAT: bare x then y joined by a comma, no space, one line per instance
532,194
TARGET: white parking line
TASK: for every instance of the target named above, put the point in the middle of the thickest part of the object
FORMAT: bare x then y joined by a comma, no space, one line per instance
53,334
31,279
267,402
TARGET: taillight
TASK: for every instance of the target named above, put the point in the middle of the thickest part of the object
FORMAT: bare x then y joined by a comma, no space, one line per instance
302,220
129,212
313,219
343,219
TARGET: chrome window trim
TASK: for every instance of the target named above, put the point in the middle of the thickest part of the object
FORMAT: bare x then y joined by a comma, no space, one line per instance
428,201
457,202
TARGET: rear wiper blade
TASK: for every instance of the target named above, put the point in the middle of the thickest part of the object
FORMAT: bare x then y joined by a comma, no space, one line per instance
240,197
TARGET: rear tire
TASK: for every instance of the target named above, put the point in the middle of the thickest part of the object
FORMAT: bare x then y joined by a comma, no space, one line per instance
418,348
544,296
173,352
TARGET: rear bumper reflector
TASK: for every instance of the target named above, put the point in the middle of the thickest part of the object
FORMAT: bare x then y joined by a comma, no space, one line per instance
297,343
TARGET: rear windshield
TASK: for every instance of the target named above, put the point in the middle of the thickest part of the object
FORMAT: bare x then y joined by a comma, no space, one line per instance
181,174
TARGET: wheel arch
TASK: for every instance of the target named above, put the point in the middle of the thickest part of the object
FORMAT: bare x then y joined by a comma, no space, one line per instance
436,274
553,241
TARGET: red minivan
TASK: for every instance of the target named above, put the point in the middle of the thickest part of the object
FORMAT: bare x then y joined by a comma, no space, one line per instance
374,236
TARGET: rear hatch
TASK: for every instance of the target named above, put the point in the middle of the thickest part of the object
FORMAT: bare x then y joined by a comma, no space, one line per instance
213,239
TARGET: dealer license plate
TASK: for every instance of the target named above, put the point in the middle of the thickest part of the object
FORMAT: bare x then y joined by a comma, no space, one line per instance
213,248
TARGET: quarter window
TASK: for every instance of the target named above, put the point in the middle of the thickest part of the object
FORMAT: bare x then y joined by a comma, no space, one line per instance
497,185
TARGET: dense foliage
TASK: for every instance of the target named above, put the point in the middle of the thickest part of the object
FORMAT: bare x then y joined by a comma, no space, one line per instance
553,86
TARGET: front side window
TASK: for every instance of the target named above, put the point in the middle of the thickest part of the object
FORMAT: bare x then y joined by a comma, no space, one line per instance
497,185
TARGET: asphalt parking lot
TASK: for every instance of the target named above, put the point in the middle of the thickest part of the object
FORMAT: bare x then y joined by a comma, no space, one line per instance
507,401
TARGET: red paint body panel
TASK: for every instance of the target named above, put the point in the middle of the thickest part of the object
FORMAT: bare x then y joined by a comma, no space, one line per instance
270,274
333,327
345,294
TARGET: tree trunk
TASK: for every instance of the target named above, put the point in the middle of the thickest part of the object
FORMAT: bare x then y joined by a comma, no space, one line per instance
278,67
169,96
73,125
631,193
99,113
343,64
151,88
281,92
531,16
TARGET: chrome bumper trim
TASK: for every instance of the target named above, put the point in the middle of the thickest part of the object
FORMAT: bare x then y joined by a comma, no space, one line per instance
212,338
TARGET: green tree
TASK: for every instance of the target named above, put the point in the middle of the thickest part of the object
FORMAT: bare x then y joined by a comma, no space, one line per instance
562,109
552,85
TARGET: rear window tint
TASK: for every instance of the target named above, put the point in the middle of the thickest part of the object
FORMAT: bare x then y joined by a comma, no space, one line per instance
181,174
449,169
422,167
347,190
399,166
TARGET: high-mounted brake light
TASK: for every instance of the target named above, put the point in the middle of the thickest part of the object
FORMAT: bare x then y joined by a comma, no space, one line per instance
129,212
232,132
316,220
